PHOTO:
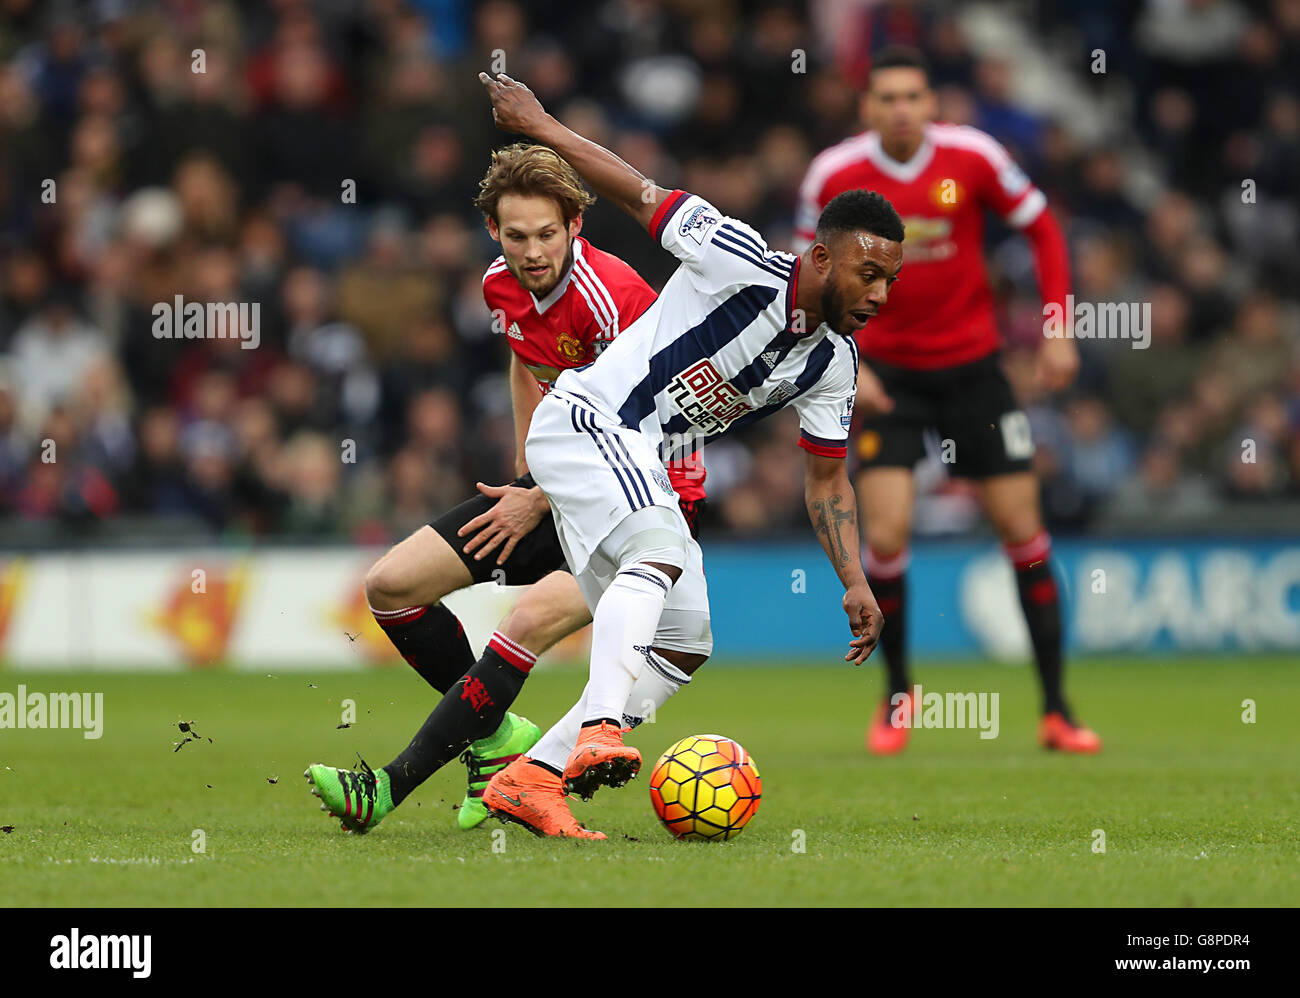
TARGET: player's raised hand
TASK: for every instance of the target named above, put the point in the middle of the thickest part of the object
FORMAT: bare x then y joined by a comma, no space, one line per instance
865,621
514,107
514,516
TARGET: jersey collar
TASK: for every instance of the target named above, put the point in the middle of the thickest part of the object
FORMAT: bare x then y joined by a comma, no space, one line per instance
791,290
902,172
562,286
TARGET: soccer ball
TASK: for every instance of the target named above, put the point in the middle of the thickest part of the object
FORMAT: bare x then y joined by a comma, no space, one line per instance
705,787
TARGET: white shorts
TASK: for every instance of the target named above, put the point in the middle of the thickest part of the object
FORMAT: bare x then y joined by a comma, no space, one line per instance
595,472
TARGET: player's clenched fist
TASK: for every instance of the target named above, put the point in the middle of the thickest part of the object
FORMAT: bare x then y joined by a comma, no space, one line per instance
872,399
514,107
865,621
1058,364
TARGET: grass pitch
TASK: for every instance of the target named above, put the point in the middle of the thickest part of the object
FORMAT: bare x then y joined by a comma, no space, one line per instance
1197,807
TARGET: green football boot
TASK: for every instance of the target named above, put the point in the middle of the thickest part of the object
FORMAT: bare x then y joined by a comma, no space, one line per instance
488,756
360,800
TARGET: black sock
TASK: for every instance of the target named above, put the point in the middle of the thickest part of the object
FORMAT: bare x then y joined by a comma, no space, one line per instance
891,594
431,640
472,709
1042,606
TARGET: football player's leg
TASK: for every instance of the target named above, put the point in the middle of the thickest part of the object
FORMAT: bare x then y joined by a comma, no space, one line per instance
648,551
651,531
404,588
682,644
362,798
531,791
475,707
885,496
648,628
995,445
1012,505
622,530
472,709
547,612
475,722
654,687
889,445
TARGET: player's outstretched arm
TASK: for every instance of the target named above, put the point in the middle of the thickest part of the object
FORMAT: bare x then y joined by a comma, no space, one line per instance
515,109
832,508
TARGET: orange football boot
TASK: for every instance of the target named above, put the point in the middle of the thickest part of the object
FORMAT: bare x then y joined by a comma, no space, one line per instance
1056,732
600,759
532,797
883,737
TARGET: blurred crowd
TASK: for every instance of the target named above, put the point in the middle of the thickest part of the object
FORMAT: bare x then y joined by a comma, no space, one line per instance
318,157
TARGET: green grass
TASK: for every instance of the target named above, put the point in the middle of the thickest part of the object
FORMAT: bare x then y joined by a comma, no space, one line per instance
1198,808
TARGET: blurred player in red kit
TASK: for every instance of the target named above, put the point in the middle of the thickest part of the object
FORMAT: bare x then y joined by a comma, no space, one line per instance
930,362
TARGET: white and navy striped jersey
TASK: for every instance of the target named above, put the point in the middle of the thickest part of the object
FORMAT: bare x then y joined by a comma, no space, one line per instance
719,348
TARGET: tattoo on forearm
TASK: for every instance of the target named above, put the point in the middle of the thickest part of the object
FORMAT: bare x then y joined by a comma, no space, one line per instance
828,518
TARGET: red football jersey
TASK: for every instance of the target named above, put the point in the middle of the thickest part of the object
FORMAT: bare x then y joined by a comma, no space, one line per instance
940,311
599,296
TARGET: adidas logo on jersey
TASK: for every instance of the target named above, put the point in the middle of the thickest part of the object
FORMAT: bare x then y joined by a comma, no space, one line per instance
513,332
769,359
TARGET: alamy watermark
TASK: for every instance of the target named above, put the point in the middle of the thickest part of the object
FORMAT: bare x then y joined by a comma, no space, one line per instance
215,320
1110,320
950,710
54,710
102,952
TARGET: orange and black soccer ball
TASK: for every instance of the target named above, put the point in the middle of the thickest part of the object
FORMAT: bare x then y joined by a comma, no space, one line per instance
705,787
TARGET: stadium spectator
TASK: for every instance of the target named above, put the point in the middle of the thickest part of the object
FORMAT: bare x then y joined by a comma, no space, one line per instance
129,175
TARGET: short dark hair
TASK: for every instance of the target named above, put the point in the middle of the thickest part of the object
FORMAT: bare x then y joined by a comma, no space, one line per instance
860,210
900,57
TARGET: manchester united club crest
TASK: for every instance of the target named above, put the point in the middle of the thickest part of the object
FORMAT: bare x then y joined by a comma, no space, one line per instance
569,348
868,445
476,693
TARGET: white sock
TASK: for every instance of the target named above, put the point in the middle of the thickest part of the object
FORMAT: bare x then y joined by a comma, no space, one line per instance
623,628
555,747
653,688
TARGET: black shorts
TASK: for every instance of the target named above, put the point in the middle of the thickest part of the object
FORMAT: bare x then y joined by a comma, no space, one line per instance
979,428
535,556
